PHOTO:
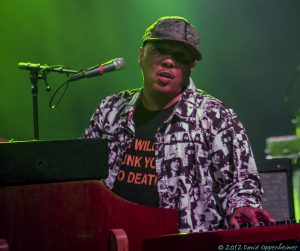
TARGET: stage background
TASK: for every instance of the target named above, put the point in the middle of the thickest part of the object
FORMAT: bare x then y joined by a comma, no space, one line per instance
251,55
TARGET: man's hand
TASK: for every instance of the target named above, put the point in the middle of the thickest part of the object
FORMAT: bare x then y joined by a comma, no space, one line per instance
250,214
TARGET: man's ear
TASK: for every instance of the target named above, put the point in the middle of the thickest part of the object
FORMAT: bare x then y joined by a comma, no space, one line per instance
141,54
193,65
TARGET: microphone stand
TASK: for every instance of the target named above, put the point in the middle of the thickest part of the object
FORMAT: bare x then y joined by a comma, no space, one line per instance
37,72
34,91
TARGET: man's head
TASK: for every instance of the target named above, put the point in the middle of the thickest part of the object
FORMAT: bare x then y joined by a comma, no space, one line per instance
169,53
174,28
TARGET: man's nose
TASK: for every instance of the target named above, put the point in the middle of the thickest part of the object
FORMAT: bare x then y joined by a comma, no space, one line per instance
168,62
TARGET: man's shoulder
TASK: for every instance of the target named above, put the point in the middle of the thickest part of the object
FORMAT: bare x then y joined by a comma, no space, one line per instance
210,106
125,94
121,97
205,100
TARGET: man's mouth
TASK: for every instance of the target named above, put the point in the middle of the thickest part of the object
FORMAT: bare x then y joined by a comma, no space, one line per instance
165,74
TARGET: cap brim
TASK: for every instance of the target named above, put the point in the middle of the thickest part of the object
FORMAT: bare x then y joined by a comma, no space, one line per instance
193,50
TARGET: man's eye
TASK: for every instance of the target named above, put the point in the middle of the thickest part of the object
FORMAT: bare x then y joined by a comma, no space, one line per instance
161,51
155,51
182,58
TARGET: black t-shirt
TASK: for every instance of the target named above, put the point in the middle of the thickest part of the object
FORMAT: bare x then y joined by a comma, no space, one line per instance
137,178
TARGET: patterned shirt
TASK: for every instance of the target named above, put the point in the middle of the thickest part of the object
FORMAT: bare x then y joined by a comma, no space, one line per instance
204,162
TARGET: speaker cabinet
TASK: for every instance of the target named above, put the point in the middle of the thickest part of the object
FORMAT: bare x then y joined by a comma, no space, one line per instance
276,179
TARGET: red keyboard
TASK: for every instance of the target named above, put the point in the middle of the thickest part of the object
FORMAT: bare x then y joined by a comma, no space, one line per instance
210,241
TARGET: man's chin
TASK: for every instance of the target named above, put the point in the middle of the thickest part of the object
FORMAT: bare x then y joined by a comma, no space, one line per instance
162,87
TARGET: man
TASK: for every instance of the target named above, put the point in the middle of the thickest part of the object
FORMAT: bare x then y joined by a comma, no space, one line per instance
172,146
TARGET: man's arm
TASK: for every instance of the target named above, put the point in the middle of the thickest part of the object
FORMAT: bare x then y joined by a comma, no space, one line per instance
235,172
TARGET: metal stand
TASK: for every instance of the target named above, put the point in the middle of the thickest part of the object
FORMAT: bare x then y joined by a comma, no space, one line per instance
34,76
38,71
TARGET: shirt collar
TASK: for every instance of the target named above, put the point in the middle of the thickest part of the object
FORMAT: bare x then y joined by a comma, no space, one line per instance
185,108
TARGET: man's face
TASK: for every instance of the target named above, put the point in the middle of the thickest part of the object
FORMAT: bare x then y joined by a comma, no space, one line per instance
166,67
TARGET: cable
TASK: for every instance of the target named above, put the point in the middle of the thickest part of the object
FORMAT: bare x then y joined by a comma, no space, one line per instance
64,84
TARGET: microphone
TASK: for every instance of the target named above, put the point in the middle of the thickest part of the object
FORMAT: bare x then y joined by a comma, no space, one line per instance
98,70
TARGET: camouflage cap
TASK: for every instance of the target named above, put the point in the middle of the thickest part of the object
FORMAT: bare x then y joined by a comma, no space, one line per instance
174,28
